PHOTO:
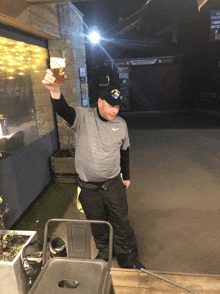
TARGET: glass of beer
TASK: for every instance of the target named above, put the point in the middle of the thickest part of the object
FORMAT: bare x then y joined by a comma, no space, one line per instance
57,66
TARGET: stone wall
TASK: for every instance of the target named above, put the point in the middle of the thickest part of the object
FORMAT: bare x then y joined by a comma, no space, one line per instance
65,22
57,48
43,107
71,27
42,17
71,46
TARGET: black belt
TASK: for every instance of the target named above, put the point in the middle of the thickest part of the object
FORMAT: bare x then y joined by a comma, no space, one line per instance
96,186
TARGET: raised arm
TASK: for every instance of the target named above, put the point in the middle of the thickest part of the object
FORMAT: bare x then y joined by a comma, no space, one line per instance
48,82
59,103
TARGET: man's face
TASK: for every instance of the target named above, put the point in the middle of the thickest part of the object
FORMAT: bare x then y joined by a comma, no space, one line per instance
106,110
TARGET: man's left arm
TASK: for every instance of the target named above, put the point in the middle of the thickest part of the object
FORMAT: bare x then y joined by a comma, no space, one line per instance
125,167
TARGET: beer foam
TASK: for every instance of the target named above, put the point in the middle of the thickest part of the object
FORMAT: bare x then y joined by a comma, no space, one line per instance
56,62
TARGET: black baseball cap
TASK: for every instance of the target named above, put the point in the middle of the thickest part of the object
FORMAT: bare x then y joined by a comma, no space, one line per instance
110,95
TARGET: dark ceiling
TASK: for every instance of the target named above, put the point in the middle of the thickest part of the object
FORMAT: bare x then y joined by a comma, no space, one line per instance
110,16
132,26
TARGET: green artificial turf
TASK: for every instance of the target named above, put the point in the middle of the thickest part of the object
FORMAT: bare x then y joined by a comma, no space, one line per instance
52,204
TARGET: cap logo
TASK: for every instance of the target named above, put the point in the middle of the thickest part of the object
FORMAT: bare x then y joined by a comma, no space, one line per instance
115,94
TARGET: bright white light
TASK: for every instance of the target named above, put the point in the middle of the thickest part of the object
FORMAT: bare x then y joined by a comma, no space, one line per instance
94,37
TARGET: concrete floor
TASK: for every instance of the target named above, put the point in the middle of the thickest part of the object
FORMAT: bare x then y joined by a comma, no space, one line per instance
174,197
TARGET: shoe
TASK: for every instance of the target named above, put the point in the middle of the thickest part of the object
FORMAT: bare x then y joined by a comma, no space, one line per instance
57,248
102,256
138,265
129,261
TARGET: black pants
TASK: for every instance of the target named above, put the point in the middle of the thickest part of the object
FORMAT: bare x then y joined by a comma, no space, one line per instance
111,205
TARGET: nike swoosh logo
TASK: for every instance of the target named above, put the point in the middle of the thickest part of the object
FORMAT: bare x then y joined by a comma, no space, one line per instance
114,129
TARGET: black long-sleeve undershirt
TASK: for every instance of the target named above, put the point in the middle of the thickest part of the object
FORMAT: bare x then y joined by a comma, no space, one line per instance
68,113
62,108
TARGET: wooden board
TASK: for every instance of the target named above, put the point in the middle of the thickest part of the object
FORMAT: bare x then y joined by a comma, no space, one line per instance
137,282
7,20
34,18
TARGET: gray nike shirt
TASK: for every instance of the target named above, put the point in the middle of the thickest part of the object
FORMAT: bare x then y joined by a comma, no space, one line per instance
98,145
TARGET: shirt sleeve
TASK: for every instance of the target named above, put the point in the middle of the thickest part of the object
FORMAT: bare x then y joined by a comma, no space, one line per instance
61,107
125,164
126,140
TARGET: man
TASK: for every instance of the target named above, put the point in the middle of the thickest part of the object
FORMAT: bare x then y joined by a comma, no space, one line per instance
102,153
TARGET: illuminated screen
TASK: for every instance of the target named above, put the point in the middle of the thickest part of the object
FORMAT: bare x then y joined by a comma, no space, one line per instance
19,64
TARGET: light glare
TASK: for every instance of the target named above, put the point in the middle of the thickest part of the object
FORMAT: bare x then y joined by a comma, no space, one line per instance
94,37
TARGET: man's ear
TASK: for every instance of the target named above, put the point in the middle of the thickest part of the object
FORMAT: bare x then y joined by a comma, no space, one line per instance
99,102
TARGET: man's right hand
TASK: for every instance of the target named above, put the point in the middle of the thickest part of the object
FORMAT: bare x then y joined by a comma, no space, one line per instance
48,82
